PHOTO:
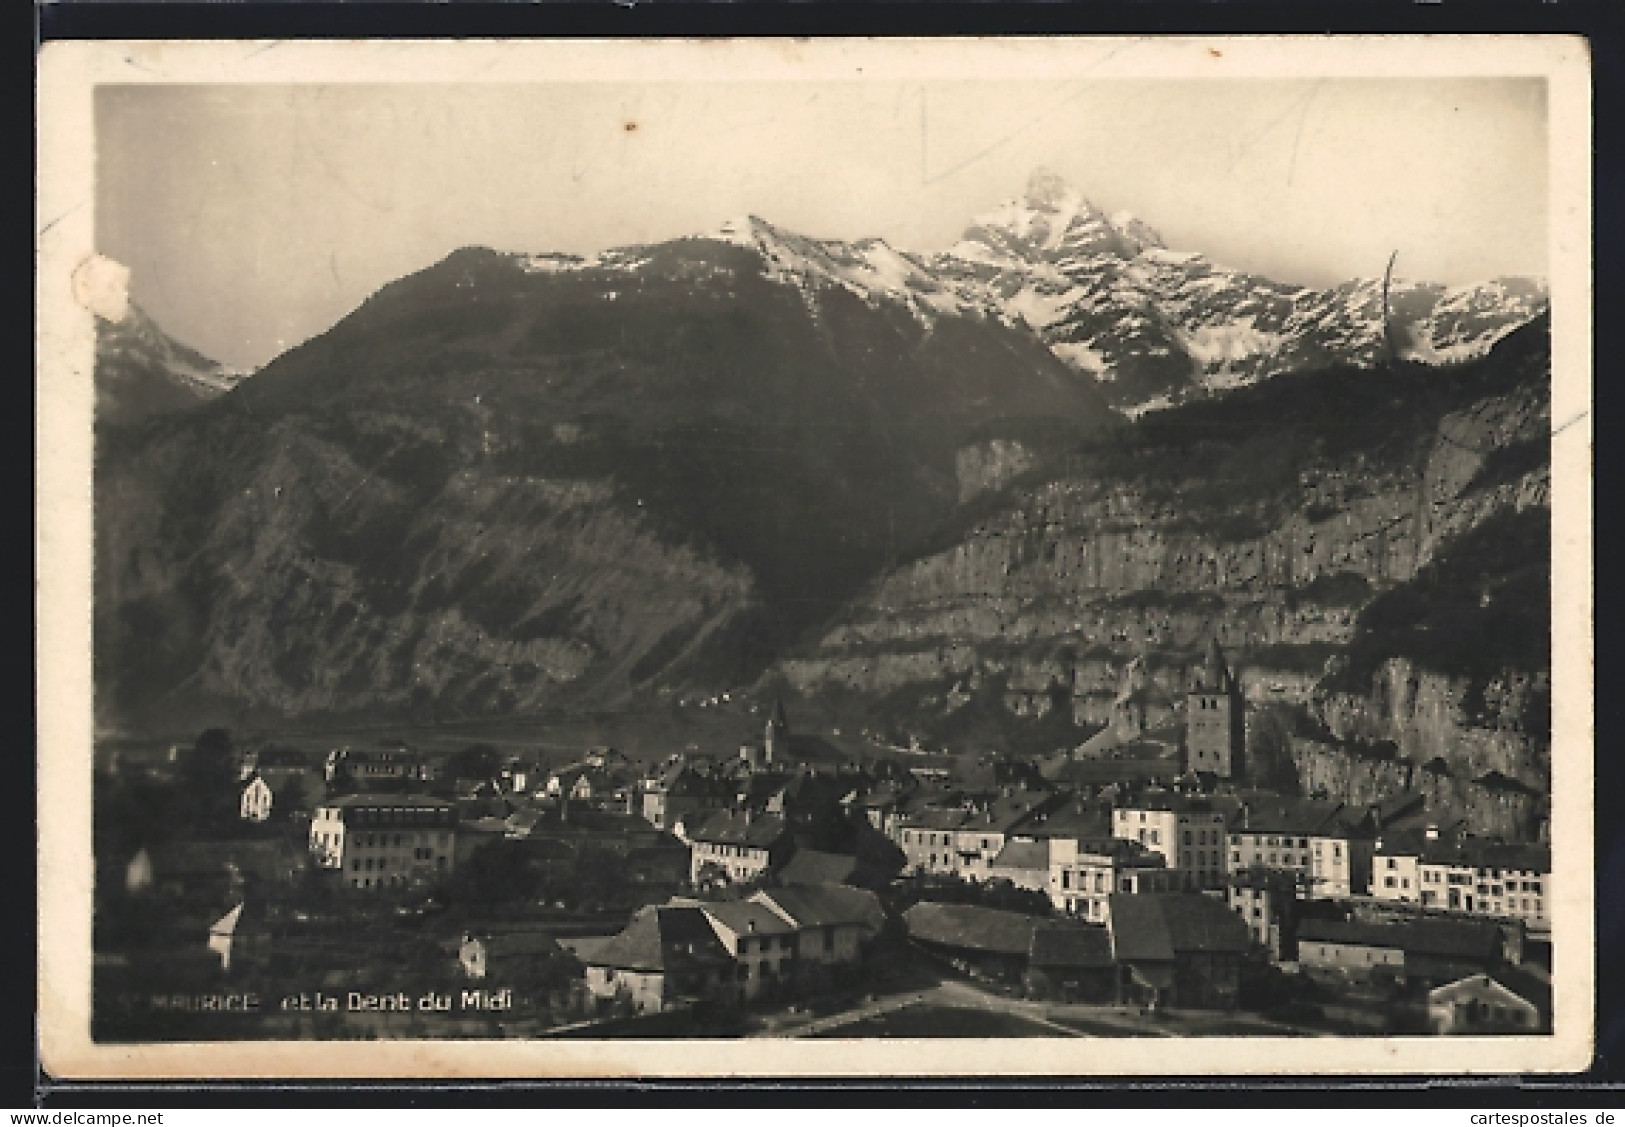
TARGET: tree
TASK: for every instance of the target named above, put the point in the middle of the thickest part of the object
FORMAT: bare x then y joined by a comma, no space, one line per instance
207,779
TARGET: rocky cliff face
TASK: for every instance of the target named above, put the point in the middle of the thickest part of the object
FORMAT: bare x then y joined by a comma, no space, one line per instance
1274,546
1491,807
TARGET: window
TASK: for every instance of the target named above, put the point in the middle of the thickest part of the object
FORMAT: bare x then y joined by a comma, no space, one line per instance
1392,864
1187,837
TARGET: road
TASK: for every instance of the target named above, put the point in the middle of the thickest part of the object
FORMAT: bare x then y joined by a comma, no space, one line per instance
1084,1020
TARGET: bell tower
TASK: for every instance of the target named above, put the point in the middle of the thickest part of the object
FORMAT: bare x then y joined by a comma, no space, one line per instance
1215,719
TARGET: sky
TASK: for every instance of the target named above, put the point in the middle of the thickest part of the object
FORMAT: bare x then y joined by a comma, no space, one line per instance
254,217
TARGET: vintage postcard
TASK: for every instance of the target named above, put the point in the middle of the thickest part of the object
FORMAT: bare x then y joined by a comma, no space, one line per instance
910,558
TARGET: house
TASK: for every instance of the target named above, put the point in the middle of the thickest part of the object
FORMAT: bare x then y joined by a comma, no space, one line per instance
377,841
1351,950
390,763
1071,962
507,956
1268,902
738,848
927,839
1421,950
1084,874
832,922
1320,841
667,956
1025,864
1181,949
985,941
1480,877
963,840
761,943
670,797
1189,831
283,793
1503,1002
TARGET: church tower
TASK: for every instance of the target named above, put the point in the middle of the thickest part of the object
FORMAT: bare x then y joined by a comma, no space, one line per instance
1215,720
776,740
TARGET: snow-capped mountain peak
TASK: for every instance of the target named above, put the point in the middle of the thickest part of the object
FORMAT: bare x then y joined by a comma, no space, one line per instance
1150,325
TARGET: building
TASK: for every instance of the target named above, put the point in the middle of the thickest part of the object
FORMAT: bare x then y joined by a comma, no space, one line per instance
1189,831
1503,1002
507,956
1429,951
1085,874
1181,949
667,956
988,942
1215,719
1025,864
1470,875
738,848
378,841
372,765
927,838
1268,902
675,795
832,923
1071,962
284,794
761,943
964,840
1322,843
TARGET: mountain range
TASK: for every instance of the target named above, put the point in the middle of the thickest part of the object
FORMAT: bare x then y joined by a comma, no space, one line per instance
512,482
142,371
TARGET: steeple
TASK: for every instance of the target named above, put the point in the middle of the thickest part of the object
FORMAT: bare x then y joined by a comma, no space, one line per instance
1215,674
777,736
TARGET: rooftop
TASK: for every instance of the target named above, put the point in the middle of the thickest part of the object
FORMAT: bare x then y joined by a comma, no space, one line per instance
727,828
1158,926
822,905
1064,944
970,926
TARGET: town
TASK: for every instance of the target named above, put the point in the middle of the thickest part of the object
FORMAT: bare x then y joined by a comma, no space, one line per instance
1148,882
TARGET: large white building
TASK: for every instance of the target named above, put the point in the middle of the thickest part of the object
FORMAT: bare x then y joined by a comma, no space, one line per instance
385,840
1084,875
1189,832
1473,876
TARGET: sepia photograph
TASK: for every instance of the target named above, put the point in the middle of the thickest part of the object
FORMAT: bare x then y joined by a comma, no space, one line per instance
761,557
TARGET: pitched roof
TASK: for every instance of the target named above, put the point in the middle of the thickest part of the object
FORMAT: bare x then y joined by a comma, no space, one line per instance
810,866
1479,853
518,944
1351,933
387,799
1476,939
726,828
1023,855
970,926
1497,985
1301,816
658,938
1058,944
1175,923
745,917
821,905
